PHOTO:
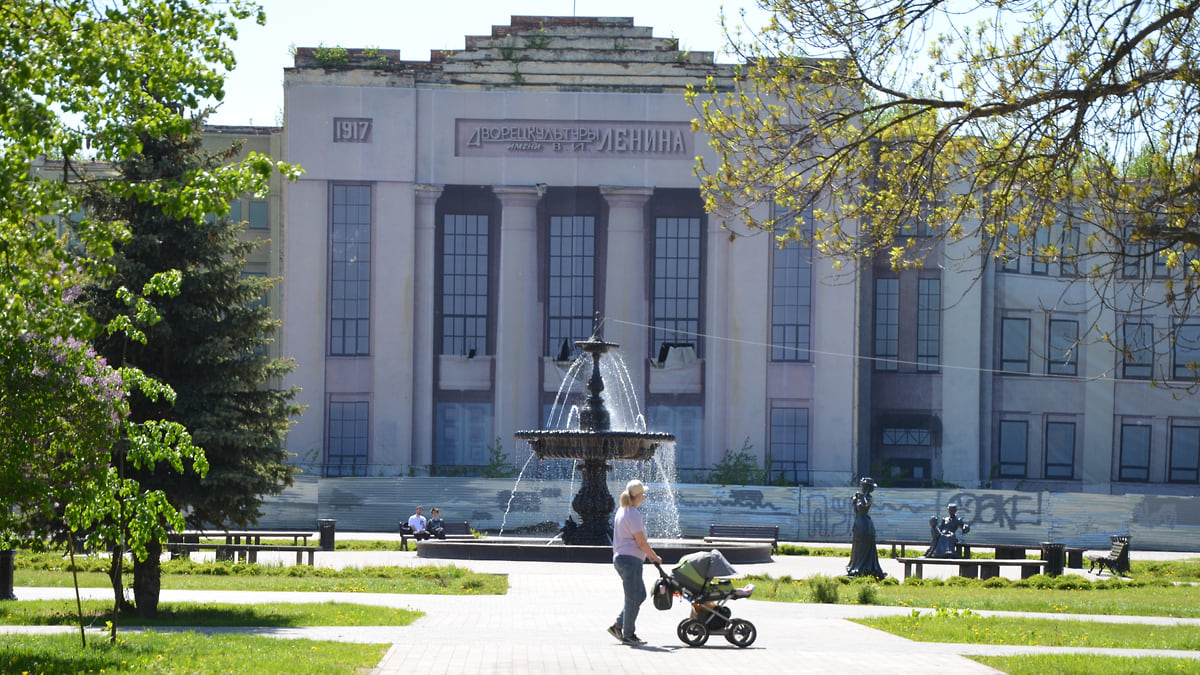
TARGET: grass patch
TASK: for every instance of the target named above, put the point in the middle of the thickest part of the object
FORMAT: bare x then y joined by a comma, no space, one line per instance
967,627
1068,594
278,615
184,654
1088,664
53,570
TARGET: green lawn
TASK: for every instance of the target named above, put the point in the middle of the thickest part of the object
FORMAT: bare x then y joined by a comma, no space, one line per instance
53,570
968,627
1068,594
1088,664
284,614
184,654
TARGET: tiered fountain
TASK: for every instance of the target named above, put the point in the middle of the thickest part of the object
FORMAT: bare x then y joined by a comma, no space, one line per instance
593,444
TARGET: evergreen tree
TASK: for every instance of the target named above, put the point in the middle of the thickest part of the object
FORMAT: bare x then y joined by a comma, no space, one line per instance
210,347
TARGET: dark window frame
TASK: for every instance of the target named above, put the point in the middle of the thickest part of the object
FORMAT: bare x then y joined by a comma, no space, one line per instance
466,201
349,305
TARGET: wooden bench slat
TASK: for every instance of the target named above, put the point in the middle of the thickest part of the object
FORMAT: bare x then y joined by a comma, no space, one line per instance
983,568
762,534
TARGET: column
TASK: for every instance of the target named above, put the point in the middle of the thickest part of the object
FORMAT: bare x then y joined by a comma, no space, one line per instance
625,299
519,315
424,352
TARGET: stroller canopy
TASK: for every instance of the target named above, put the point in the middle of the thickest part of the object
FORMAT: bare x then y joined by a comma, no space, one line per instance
694,569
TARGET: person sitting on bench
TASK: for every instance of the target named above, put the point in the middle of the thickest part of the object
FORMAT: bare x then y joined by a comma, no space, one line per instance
416,525
436,527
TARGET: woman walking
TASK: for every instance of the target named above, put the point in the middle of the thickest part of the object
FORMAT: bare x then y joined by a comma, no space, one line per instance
630,550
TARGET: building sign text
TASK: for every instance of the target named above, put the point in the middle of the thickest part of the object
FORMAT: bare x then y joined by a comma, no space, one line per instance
571,139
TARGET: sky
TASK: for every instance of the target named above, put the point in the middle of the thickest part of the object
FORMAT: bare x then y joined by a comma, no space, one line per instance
254,90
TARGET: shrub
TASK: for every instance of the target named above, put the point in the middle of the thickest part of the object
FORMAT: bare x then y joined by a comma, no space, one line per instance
1073,582
997,582
865,592
824,589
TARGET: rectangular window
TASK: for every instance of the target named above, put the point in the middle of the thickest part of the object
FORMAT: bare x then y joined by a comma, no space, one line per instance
463,433
1061,356
1014,345
1010,259
1014,448
675,308
1185,352
235,210
929,324
571,298
1131,264
1069,251
1039,263
1137,350
350,271
349,431
687,423
887,324
1135,453
789,445
791,302
1060,450
1185,454
258,215
465,289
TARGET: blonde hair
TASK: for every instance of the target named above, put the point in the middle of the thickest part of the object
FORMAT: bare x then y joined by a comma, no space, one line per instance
632,490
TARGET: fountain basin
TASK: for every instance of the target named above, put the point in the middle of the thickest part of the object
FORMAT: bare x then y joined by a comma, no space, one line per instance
528,549
594,445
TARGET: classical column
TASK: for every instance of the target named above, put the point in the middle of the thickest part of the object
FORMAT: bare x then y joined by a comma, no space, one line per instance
424,353
625,298
519,315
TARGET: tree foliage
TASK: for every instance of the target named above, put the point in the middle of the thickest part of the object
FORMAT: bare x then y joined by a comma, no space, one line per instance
1063,131
82,82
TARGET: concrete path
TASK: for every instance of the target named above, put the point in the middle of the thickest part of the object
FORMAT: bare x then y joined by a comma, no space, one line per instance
553,621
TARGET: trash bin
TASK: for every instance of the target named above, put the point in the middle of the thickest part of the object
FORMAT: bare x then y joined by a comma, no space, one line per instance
1055,555
6,575
326,527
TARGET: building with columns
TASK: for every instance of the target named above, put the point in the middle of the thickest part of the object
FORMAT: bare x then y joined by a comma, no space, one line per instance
463,219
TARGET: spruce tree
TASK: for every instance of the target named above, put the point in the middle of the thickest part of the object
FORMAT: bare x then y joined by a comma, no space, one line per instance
210,346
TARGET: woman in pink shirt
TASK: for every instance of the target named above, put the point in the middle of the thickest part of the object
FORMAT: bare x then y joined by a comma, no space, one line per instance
630,550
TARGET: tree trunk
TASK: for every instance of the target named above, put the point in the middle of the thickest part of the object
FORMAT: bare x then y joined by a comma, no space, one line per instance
147,580
115,569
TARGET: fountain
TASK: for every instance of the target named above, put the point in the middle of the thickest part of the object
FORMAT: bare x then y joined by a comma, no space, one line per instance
593,444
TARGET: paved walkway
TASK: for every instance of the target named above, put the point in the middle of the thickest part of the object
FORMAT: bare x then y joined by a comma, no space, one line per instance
553,621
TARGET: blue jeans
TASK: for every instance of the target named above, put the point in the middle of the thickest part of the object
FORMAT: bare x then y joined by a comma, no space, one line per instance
630,569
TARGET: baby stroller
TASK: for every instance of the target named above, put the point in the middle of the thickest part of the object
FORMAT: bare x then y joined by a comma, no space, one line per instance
694,579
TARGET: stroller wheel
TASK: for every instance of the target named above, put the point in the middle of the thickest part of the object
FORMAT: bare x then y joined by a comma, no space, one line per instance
741,632
693,633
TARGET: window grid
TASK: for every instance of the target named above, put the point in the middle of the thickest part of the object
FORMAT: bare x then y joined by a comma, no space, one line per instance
1137,350
463,433
887,324
571,296
1061,355
1039,264
1185,454
791,303
1131,265
350,271
1135,453
1185,351
929,324
1014,446
348,437
465,289
675,313
789,444
1060,450
1014,345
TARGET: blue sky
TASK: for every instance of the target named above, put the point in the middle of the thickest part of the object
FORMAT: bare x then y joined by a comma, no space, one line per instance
254,91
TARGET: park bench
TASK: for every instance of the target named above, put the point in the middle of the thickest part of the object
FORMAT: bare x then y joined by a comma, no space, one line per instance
1117,558
972,568
741,534
243,552
453,530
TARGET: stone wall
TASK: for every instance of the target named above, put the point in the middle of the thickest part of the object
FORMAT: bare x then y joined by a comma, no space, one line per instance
1167,523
